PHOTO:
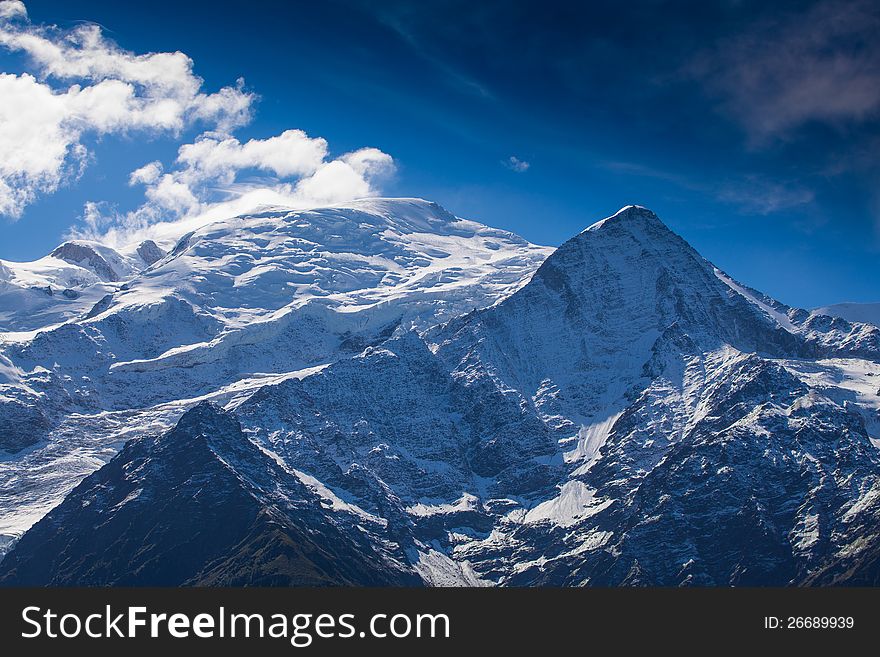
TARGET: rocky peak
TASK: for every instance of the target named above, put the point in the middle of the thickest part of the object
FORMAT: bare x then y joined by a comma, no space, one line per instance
150,252
86,255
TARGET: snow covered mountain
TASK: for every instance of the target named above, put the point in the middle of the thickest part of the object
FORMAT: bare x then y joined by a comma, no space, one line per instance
146,332
868,313
67,282
631,415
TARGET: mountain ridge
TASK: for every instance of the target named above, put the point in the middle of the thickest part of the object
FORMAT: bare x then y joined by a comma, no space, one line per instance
852,312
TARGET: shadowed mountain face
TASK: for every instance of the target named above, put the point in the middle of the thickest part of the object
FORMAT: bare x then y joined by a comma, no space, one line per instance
631,416
199,505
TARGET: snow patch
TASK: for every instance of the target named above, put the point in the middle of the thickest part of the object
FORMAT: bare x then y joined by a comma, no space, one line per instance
466,502
575,502
590,440
780,318
437,569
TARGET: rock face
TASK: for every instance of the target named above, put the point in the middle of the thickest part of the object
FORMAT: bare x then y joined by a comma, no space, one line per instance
630,416
150,252
85,255
24,424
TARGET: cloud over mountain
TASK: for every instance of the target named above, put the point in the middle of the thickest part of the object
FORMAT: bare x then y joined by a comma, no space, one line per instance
82,84
79,85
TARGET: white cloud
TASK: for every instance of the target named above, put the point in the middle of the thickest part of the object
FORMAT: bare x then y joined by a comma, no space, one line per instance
101,223
146,175
85,84
292,153
346,178
369,162
34,144
515,164
12,9
205,186
302,173
169,193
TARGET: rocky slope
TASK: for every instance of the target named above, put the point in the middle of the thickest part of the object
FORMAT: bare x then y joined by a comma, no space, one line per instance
199,505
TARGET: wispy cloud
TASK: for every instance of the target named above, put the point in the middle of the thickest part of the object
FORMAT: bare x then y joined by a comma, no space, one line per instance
821,64
515,164
755,195
750,193
405,21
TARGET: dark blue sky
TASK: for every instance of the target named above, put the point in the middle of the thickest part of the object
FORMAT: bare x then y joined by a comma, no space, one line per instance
751,129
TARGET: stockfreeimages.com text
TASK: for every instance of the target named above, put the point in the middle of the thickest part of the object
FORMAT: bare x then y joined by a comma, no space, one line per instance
300,629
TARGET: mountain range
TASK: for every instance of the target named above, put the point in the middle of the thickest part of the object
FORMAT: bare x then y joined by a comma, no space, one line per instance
381,393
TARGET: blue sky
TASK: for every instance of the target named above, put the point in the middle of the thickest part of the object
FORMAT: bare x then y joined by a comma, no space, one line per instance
751,130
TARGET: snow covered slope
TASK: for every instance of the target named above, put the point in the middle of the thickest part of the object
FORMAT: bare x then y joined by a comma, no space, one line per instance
630,415
853,312
66,283
149,330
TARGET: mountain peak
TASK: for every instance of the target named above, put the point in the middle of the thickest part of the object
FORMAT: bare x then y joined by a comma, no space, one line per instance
165,495
624,242
90,255
210,422
203,415
628,214
634,210
150,252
